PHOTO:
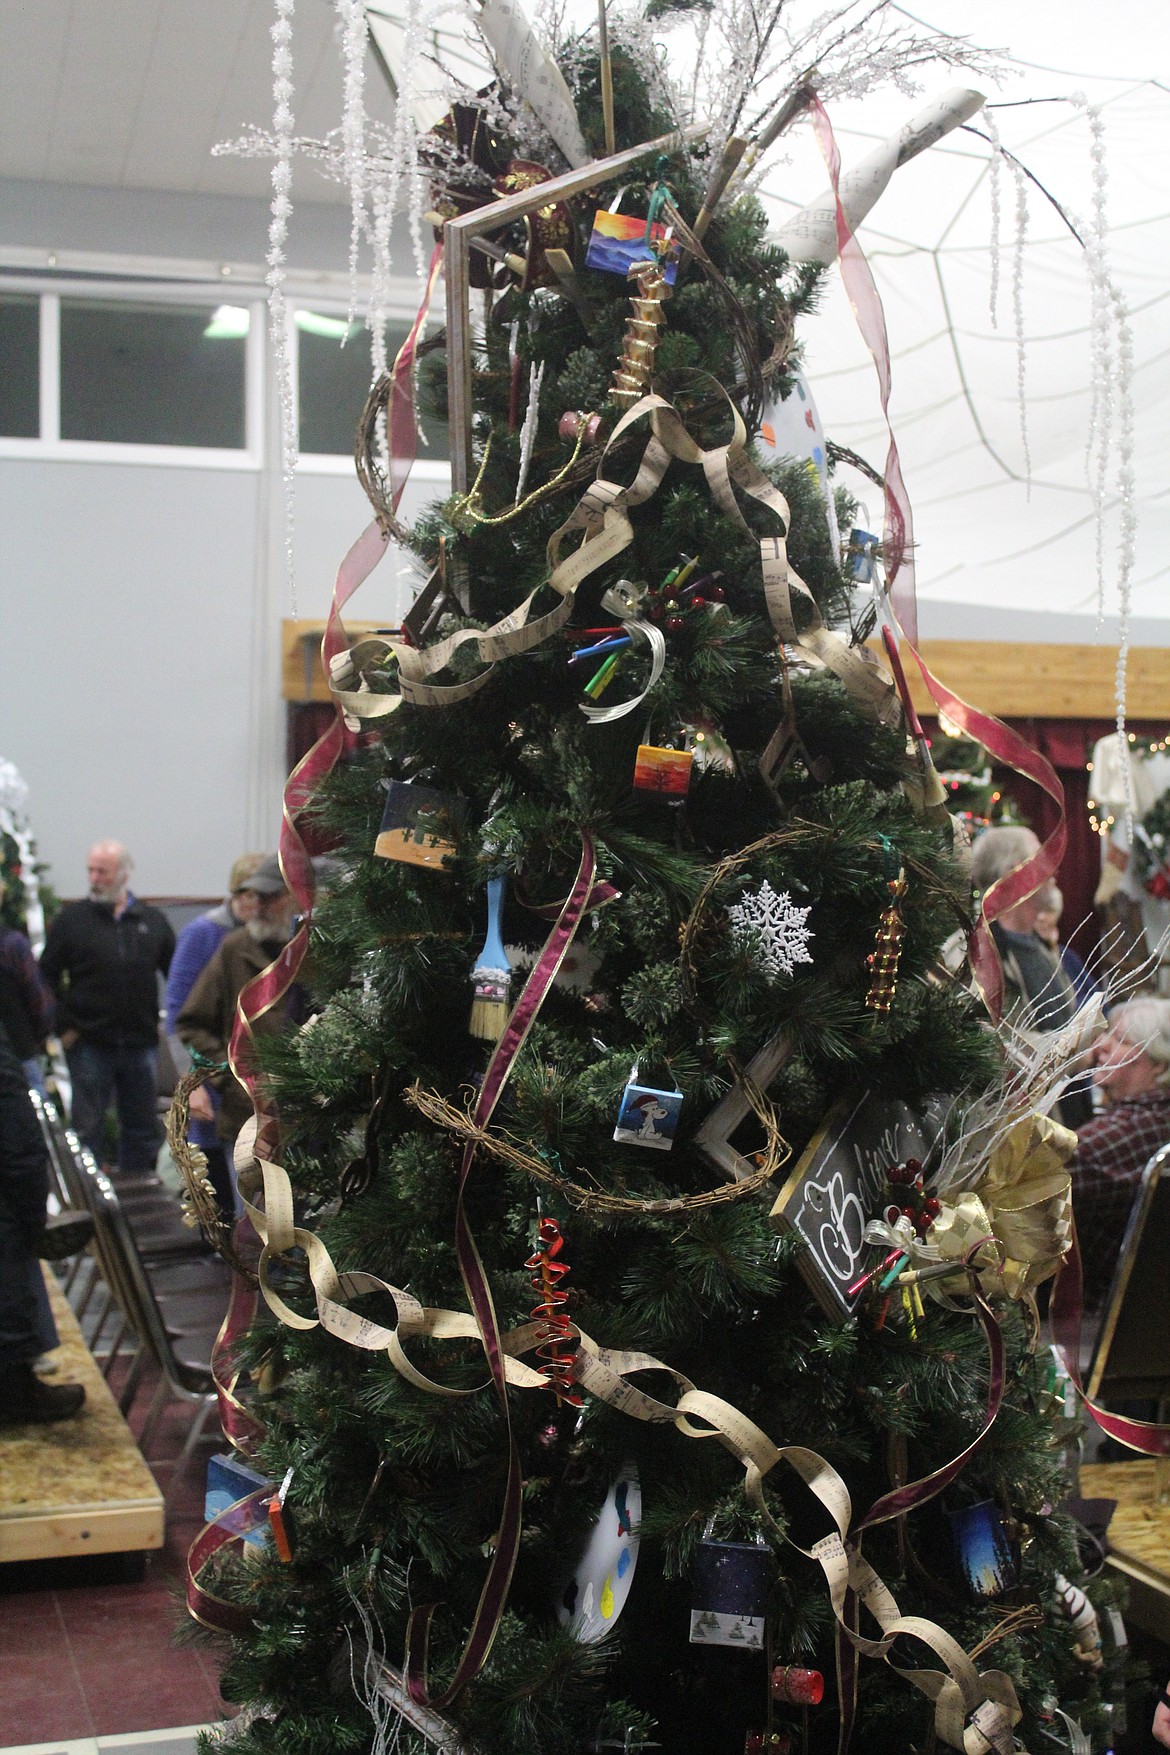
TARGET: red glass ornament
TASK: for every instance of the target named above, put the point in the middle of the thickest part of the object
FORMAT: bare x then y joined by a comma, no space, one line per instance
797,1687
673,623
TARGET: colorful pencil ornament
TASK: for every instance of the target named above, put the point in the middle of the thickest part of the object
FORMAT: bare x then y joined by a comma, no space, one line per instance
280,1532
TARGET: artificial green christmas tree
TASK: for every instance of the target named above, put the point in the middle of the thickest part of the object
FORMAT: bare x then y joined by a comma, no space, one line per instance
690,813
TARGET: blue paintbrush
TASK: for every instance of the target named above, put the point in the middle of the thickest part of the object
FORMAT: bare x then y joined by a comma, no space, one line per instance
491,975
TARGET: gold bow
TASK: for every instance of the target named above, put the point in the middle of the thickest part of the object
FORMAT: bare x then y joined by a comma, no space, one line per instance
1021,1208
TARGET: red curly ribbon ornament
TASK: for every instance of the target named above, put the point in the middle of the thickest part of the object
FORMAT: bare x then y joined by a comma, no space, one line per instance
559,1348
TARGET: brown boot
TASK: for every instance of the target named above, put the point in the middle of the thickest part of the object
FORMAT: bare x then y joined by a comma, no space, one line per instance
26,1401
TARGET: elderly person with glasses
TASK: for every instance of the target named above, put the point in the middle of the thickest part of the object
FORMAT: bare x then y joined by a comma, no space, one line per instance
1131,1071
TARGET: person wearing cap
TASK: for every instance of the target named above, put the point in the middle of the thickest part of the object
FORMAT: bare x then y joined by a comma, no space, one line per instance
198,943
207,1017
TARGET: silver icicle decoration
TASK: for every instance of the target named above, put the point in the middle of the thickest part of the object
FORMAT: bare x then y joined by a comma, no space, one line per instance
278,315
528,430
995,194
1018,315
1128,534
351,18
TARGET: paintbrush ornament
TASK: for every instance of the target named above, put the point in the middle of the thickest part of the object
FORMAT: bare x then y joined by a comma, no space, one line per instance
491,975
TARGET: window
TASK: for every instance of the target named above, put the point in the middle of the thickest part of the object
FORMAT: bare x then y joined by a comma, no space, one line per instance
142,374
333,382
20,323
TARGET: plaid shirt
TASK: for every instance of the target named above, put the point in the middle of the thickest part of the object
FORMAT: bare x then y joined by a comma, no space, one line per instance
1112,1151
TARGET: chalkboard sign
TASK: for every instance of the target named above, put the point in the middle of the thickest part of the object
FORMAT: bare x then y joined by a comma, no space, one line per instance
1132,1358
837,1187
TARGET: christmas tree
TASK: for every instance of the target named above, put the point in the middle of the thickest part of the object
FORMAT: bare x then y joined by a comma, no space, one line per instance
582,1423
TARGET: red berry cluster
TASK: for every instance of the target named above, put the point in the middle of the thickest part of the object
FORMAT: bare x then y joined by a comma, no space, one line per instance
665,605
907,1197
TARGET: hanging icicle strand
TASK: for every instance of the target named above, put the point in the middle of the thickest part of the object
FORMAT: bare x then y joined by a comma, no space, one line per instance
351,19
528,430
1018,314
1127,537
1102,408
278,313
995,195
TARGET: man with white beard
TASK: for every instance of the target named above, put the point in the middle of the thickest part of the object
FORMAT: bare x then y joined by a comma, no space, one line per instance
103,957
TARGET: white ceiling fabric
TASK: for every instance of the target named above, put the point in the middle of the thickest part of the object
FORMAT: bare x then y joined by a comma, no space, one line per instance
986,535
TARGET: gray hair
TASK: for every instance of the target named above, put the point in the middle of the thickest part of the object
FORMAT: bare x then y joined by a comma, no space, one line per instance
125,863
999,851
1145,1022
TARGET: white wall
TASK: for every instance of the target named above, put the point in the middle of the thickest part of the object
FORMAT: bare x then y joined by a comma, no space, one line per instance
139,659
140,606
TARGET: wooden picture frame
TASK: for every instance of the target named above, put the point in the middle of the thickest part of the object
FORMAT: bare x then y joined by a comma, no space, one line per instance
714,1137
459,235
837,1187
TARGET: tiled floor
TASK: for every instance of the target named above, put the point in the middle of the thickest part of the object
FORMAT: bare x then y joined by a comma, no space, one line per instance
83,1654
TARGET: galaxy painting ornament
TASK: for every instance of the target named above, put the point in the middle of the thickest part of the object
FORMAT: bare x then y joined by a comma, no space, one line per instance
982,1549
729,1597
596,1591
420,826
648,1115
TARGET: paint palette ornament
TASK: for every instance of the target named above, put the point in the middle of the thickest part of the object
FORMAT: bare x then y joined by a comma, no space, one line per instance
420,826
664,772
730,1594
595,1593
648,1116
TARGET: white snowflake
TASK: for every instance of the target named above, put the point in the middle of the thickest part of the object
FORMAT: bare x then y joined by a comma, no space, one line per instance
773,927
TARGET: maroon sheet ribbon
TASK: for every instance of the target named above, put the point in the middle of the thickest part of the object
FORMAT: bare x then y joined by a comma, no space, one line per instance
1064,1314
226,1530
1004,744
265,990
402,422
494,1595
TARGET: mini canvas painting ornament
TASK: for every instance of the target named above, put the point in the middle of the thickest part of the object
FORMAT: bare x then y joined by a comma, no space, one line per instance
595,1593
419,825
773,928
730,1594
648,1116
861,555
228,1481
618,242
982,1549
663,771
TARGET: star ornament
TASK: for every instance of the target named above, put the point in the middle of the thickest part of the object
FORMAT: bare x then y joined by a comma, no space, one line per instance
772,928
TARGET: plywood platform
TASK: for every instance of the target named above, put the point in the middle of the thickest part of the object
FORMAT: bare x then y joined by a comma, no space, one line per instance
1139,1536
79,1486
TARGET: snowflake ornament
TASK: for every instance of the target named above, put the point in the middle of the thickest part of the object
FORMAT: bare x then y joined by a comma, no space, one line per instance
773,929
